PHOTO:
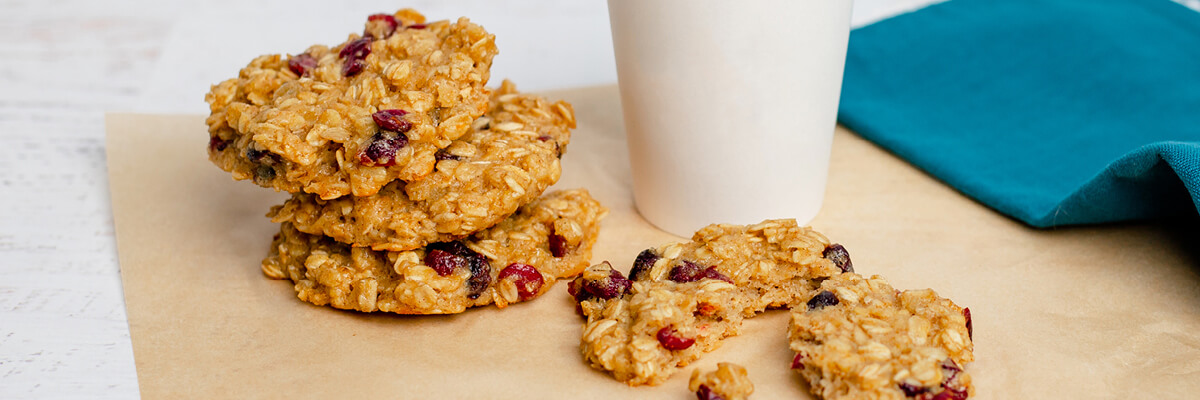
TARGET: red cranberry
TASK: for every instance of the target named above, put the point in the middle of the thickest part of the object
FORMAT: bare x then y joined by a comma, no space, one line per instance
215,144
353,67
825,298
686,272
392,120
712,273
576,290
796,361
302,64
481,275
357,48
670,339
642,264
558,245
443,262
480,268
544,138
416,26
382,149
840,257
706,393
691,272
967,314
526,277
613,285
912,390
389,19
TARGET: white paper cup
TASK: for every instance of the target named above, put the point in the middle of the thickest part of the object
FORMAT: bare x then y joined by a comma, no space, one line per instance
729,106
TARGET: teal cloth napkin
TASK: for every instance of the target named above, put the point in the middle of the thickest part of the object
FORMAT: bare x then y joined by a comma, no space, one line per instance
1054,112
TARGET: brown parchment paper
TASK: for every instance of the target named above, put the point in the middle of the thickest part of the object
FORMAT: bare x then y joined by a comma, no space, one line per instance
1104,312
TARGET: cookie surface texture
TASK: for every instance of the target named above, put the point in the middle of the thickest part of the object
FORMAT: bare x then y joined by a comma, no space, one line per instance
859,338
508,159
516,260
349,119
682,299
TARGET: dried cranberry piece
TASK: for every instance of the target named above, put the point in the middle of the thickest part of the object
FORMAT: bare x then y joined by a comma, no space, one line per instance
706,393
527,278
558,245
825,298
215,143
642,264
481,275
444,262
389,19
691,272
357,48
302,64
609,287
392,120
480,268
686,272
544,138
796,363
416,26
670,339
353,66
912,390
712,273
577,290
382,149
840,257
967,314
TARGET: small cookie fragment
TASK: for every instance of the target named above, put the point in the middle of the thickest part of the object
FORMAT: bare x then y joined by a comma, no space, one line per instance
508,263
350,118
859,338
682,299
728,382
510,157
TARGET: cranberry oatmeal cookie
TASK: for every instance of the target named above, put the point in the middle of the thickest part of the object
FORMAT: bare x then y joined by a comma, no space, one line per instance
516,260
352,118
510,157
728,382
859,338
685,297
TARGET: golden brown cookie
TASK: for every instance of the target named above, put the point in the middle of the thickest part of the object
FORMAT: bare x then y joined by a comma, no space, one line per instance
352,118
510,157
859,338
684,298
514,261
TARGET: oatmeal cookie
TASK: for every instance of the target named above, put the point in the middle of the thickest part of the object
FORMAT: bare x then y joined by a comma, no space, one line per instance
509,158
514,261
859,338
682,299
352,118
728,382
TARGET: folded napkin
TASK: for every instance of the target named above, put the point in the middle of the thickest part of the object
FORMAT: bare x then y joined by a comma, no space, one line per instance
1054,112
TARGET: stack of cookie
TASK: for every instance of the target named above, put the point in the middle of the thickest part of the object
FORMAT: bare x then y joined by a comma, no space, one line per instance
415,189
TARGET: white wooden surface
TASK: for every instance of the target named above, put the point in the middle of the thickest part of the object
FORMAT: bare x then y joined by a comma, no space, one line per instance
64,63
